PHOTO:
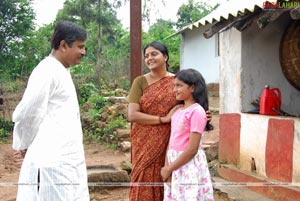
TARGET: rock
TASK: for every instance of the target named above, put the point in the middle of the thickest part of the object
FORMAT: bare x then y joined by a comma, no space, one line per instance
127,166
86,106
213,166
211,151
101,124
125,146
122,133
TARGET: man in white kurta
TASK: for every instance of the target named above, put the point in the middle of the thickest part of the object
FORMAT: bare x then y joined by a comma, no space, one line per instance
47,125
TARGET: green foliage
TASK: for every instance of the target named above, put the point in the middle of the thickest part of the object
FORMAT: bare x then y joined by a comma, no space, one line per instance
94,114
5,130
125,84
98,101
95,101
107,133
15,22
16,25
85,91
114,146
40,43
95,109
108,43
9,86
115,57
118,122
83,72
191,12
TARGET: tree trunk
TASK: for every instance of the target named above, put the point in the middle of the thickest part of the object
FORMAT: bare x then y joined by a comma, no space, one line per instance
99,51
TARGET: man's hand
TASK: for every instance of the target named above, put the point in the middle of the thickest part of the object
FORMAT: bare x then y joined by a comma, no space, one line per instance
19,156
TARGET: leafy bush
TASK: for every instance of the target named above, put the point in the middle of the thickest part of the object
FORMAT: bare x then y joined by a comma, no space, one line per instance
5,129
98,101
106,134
118,122
85,91
125,84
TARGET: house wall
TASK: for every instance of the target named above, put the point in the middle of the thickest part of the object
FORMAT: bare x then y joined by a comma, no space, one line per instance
200,53
248,61
261,66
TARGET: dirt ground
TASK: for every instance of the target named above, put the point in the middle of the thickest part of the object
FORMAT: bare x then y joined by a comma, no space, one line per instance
96,154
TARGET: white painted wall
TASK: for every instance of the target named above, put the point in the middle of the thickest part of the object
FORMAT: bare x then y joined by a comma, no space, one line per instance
200,53
254,130
248,61
230,71
253,144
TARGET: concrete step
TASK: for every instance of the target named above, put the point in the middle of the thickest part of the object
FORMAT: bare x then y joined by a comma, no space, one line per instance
106,177
236,192
265,186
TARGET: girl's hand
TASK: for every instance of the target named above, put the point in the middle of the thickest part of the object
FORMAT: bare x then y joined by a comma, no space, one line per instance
165,173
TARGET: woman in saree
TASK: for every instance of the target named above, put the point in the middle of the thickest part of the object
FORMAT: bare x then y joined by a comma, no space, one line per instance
151,100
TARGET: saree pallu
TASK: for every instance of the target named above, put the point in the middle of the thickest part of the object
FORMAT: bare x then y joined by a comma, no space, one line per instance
149,142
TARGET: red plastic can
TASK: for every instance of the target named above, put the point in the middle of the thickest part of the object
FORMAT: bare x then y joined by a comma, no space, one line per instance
269,99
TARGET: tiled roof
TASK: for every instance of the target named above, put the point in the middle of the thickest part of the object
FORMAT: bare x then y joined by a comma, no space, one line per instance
224,11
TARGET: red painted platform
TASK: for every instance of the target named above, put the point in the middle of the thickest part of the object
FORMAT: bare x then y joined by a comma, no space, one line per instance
279,150
270,188
229,144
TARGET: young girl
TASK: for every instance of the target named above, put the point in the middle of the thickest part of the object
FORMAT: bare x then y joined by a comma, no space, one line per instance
186,163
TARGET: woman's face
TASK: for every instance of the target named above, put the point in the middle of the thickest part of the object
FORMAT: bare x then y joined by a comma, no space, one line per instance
154,59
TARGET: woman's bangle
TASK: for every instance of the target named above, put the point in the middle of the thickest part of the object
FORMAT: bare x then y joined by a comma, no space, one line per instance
160,121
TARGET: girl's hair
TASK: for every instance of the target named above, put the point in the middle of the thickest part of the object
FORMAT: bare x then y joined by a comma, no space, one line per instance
193,77
69,32
160,47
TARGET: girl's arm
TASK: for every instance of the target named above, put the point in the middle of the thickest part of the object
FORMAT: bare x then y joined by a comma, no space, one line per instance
185,157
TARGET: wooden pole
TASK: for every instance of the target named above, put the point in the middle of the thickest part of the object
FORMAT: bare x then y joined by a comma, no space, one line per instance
135,39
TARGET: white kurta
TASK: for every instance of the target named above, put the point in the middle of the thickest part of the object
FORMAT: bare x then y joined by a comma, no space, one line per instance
47,123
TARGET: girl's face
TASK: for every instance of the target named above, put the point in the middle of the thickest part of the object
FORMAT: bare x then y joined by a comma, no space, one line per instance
154,58
183,92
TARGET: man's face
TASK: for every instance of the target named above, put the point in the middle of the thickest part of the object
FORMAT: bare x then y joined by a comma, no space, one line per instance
74,53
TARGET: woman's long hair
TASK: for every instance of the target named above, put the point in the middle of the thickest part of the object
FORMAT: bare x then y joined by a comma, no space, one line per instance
192,77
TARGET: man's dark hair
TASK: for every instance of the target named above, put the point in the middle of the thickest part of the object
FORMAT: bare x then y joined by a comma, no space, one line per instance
69,32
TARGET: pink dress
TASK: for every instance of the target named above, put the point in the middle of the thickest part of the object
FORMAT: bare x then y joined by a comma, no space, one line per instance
192,180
